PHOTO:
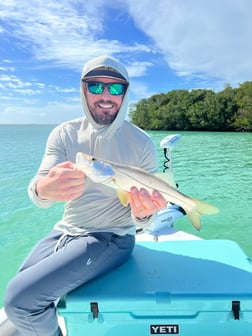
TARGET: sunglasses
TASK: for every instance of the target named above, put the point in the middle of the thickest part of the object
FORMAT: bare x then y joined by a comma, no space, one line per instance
114,89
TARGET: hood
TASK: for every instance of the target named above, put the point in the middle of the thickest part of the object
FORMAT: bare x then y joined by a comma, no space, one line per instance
110,63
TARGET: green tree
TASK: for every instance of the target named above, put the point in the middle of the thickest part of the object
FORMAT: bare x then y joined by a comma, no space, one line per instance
199,109
243,115
227,108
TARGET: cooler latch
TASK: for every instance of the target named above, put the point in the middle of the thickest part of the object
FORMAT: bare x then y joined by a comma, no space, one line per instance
236,309
94,309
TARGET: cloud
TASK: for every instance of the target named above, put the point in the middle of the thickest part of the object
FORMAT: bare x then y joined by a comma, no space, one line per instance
65,32
13,82
138,69
49,113
204,39
7,68
201,38
11,86
205,43
140,90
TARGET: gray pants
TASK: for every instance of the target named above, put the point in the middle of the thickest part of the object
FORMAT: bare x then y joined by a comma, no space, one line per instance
47,275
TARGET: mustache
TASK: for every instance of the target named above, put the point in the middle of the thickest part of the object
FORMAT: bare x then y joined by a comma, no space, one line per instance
103,101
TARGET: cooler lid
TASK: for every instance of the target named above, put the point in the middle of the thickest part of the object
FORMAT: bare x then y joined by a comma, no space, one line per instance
175,275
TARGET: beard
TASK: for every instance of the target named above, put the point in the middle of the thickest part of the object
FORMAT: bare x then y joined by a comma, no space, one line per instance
104,119
104,116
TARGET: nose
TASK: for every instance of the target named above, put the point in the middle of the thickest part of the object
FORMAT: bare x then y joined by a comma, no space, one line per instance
106,92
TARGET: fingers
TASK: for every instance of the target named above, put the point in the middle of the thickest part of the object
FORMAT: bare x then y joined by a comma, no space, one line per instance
70,184
62,183
144,204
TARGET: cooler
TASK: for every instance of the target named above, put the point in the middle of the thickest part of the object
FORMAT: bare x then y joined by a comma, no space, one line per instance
187,288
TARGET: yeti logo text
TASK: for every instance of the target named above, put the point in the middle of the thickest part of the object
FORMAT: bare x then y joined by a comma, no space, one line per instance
162,329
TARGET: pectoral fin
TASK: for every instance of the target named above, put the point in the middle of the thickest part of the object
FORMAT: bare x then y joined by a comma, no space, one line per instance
123,197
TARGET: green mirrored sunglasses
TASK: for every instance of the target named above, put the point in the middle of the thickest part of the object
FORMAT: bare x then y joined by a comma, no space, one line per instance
114,89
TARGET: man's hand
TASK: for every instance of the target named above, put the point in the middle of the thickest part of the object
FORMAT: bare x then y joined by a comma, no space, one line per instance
143,204
63,183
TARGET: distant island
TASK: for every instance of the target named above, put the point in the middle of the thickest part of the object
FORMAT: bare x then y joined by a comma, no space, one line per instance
196,110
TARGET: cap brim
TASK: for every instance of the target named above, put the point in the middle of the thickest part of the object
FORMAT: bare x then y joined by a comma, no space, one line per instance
104,73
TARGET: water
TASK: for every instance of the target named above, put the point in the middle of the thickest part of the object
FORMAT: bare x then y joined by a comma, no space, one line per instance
215,167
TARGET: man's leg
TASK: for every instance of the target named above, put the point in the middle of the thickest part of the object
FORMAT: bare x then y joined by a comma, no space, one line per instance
46,276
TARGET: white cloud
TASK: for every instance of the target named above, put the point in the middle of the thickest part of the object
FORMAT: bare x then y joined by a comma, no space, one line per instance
139,90
67,33
7,68
202,41
12,85
13,82
66,90
138,69
52,113
206,38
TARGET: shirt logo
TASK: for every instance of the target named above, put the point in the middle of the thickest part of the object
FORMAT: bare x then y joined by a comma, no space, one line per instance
89,262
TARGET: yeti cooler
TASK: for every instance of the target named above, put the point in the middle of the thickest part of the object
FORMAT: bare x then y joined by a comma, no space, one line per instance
187,288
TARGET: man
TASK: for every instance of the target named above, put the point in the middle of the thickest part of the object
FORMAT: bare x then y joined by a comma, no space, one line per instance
96,233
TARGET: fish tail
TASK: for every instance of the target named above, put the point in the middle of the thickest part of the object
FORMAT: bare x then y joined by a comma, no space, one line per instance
200,208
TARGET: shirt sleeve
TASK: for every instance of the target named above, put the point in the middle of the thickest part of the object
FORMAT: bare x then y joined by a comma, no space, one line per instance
41,203
143,222
54,154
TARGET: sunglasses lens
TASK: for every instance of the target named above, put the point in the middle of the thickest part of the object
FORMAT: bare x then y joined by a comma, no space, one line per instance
115,89
95,88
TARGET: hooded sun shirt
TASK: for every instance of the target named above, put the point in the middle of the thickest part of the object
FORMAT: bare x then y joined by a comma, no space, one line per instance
98,209
103,133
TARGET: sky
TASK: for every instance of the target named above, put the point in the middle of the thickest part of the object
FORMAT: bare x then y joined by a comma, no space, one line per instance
165,44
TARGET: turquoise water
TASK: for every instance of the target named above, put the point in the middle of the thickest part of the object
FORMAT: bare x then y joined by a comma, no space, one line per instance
215,167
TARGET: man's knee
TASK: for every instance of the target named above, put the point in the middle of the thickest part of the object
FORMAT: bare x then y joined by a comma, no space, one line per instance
14,299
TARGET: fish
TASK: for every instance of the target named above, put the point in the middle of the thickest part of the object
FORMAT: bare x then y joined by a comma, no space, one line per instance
123,177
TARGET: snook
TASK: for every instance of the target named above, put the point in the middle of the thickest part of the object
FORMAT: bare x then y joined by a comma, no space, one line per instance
122,178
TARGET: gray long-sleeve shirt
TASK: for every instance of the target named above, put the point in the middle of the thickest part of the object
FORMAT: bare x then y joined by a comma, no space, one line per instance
98,209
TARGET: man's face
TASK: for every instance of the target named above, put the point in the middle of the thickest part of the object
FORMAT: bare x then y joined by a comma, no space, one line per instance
104,106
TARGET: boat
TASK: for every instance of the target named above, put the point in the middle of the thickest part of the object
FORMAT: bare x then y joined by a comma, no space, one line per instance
174,283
